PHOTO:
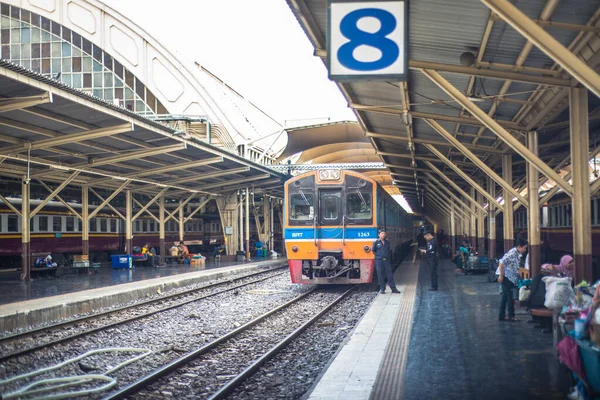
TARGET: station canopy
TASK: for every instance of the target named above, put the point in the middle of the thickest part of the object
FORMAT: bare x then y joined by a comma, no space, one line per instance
53,133
462,45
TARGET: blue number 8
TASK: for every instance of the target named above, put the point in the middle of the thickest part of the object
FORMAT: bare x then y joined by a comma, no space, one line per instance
349,28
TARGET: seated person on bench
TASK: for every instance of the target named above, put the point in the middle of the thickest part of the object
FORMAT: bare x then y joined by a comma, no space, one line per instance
146,252
461,257
183,252
45,262
218,250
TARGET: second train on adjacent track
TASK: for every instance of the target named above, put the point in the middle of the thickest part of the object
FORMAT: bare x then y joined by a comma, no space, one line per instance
332,218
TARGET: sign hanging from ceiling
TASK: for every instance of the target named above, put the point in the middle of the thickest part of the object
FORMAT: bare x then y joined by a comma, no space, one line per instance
367,40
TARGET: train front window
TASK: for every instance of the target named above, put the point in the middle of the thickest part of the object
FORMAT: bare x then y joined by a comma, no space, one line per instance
330,208
302,207
358,206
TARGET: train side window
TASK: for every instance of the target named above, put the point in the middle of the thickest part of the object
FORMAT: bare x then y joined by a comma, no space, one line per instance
13,223
137,226
151,226
1,221
93,225
31,228
70,224
302,207
103,225
188,227
593,211
79,225
358,205
43,223
144,226
113,225
57,224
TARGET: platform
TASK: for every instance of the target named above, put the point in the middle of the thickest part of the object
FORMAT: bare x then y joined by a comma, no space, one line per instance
47,299
446,344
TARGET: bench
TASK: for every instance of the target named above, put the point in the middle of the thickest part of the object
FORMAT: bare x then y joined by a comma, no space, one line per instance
41,271
544,316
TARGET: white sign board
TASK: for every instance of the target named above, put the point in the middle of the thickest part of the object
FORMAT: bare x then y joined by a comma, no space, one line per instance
367,40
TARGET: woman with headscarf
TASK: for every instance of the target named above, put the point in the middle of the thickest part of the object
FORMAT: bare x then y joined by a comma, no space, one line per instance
565,267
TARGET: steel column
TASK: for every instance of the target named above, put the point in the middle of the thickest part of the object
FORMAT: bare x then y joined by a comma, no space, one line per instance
161,231
247,223
545,42
180,221
451,183
128,223
453,228
582,227
491,221
241,222
481,224
473,221
25,232
508,209
533,213
85,222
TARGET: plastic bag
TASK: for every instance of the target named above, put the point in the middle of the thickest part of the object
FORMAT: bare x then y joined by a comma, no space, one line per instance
558,291
524,294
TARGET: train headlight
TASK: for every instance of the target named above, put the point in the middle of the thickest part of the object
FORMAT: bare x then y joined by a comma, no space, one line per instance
330,174
367,249
295,249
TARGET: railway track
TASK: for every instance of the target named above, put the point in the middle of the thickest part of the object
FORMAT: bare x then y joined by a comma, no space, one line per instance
253,331
175,300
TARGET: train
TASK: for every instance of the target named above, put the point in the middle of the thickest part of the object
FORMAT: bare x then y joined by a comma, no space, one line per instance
331,220
556,225
56,230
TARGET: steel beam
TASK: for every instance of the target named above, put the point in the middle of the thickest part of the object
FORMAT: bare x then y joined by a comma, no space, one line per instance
439,117
202,177
545,42
581,207
460,172
9,104
25,232
67,205
235,182
491,221
198,208
485,149
448,192
434,190
480,164
451,183
54,193
489,122
148,204
488,73
181,205
558,25
107,204
70,138
144,210
7,203
109,198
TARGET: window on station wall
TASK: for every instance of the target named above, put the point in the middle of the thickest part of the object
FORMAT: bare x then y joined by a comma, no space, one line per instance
93,225
70,224
12,223
113,225
46,47
103,225
43,223
57,224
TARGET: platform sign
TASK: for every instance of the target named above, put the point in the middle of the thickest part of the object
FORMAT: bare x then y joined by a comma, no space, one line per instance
367,40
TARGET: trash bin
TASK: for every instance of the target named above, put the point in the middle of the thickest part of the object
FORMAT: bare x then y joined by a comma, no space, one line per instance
122,261
241,256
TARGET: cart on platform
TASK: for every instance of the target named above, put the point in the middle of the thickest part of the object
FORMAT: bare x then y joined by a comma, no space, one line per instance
476,263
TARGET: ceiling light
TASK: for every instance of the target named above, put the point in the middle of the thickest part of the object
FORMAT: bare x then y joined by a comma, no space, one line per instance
475,99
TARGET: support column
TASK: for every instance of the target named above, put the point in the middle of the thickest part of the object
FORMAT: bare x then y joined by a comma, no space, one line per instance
581,221
533,213
161,231
272,234
247,224
128,223
241,232
481,223
473,221
491,221
509,234
85,222
180,222
453,229
25,237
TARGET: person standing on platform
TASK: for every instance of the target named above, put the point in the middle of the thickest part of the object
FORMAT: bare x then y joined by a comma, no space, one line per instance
381,249
432,255
508,276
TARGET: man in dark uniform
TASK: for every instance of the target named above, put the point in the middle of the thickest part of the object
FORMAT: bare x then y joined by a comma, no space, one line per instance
381,249
432,255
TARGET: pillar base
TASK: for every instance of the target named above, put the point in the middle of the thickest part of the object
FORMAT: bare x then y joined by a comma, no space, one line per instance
163,251
85,247
491,248
128,248
25,261
480,245
583,268
535,259
508,244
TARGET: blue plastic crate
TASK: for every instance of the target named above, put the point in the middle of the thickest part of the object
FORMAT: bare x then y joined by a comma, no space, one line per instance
122,261
591,364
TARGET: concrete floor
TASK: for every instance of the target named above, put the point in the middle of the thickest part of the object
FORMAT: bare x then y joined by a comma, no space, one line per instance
459,349
13,290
